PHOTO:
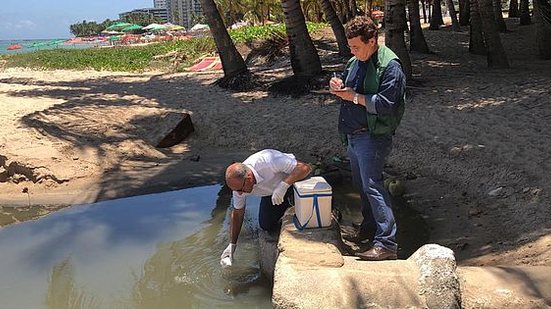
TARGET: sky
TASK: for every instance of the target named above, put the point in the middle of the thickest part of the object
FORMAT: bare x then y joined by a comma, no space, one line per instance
50,19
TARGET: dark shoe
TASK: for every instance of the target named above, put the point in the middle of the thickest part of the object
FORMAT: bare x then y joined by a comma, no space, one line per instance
377,253
358,237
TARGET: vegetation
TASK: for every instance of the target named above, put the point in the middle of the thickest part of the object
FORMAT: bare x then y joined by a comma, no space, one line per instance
139,58
142,19
88,28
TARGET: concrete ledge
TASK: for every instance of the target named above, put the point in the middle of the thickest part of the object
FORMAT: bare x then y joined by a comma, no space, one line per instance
309,271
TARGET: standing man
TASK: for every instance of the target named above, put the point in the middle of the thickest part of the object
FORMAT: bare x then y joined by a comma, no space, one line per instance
372,89
270,174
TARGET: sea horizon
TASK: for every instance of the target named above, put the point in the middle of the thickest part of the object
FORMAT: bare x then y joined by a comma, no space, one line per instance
30,45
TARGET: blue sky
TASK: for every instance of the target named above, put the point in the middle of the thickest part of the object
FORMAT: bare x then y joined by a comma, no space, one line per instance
45,19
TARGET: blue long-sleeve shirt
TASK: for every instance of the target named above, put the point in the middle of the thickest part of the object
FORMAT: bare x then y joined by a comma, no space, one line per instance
392,86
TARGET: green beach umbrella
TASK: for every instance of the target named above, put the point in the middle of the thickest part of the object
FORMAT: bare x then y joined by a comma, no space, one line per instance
118,26
132,28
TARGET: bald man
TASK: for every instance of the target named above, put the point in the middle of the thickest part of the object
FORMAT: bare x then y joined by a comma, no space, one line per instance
269,174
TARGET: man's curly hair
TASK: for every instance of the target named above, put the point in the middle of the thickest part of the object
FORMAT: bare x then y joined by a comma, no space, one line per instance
361,26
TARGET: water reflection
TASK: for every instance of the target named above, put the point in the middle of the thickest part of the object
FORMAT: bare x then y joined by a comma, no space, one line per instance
154,251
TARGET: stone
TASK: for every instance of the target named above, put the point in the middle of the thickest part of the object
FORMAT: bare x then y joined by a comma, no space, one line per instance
172,128
438,280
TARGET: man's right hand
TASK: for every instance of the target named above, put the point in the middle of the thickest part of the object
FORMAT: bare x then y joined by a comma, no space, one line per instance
335,84
226,259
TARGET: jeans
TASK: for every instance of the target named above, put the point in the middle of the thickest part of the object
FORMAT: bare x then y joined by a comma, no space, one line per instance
269,214
367,158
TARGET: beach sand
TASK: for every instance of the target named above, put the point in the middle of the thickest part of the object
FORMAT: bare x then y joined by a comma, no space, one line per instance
473,148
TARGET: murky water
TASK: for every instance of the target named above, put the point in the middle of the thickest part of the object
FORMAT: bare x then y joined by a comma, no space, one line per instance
154,251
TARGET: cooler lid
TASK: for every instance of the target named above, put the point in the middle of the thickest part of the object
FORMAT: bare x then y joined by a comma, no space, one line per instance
313,185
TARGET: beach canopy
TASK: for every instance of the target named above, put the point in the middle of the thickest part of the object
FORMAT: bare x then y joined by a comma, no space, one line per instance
176,27
199,27
111,32
132,28
118,26
154,26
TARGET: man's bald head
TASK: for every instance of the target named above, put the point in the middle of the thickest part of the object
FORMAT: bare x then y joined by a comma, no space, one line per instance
235,175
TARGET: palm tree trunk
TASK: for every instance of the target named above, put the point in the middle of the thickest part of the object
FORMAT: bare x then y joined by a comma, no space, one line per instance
476,39
464,12
395,25
500,23
417,40
542,19
345,11
232,62
424,11
304,57
496,54
525,13
337,27
453,15
513,8
353,8
436,17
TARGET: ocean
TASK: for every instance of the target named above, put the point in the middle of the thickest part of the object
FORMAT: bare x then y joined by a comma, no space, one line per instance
33,45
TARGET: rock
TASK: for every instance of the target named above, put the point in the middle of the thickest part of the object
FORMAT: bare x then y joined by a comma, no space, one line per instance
495,192
171,128
387,182
438,280
396,188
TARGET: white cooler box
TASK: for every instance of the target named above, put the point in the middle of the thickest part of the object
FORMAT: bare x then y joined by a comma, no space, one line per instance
312,203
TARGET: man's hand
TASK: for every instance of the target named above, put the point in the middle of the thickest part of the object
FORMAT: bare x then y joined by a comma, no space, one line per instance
226,259
346,94
335,83
279,193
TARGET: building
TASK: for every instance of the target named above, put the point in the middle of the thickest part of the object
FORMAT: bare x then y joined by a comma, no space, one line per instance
184,12
160,4
157,12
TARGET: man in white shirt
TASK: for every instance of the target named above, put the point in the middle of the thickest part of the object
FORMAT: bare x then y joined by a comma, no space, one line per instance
269,174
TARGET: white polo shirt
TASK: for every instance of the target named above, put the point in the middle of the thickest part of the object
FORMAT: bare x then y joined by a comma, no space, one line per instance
269,167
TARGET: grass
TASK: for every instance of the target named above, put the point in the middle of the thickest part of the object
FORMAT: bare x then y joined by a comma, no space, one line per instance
138,58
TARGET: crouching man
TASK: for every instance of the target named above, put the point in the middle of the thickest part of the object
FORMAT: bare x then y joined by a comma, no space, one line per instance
269,174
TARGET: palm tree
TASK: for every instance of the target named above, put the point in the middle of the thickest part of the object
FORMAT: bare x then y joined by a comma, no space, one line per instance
312,10
353,8
500,23
513,8
496,54
304,57
232,9
453,15
417,40
464,12
525,13
395,25
476,39
232,61
542,19
336,25
436,17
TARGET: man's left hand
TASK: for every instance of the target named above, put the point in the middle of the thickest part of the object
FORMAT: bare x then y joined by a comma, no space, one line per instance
346,94
279,193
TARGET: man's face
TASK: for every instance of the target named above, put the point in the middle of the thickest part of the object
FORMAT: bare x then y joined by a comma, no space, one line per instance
362,50
241,186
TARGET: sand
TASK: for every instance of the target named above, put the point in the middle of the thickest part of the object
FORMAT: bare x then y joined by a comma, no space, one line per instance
473,149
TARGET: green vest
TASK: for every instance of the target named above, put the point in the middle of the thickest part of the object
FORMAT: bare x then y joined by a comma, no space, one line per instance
380,124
